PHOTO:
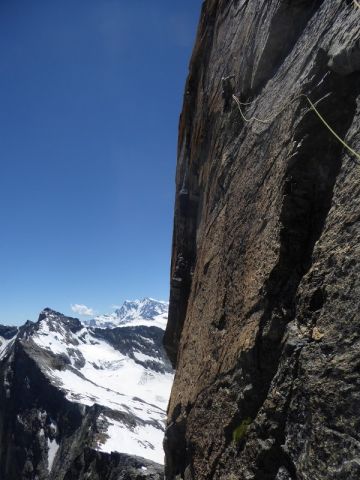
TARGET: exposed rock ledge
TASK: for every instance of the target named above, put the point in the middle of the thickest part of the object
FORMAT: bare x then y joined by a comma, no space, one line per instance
264,322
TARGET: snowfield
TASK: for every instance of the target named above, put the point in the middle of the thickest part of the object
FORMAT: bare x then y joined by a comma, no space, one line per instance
135,442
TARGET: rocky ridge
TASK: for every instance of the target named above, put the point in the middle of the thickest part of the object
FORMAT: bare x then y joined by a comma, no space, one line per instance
264,309
79,402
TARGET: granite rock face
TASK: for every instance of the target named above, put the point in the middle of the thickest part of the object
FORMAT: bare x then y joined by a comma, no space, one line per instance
264,324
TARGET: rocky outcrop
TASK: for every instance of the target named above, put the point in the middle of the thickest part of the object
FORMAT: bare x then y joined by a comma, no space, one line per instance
100,466
264,307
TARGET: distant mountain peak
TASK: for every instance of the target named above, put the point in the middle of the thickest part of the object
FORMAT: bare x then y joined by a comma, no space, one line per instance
56,319
49,313
146,311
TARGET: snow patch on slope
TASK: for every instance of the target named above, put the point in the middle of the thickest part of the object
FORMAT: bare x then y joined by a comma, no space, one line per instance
134,441
53,447
5,346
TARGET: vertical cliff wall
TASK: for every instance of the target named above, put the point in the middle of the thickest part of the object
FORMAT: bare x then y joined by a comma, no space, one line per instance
264,324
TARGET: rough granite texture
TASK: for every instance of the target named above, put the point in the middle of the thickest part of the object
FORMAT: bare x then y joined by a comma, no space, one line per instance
264,324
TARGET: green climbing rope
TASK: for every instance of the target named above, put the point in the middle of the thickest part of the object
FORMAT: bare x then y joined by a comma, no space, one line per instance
357,155
312,106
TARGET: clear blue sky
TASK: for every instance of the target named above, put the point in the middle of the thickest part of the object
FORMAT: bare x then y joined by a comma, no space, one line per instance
90,96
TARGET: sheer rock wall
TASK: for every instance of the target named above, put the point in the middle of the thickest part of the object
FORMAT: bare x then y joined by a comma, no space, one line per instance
264,309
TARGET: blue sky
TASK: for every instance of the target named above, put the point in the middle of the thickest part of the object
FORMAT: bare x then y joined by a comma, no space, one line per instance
90,95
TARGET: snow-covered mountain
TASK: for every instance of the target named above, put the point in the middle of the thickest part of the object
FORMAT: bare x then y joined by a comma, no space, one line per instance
71,393
147,312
